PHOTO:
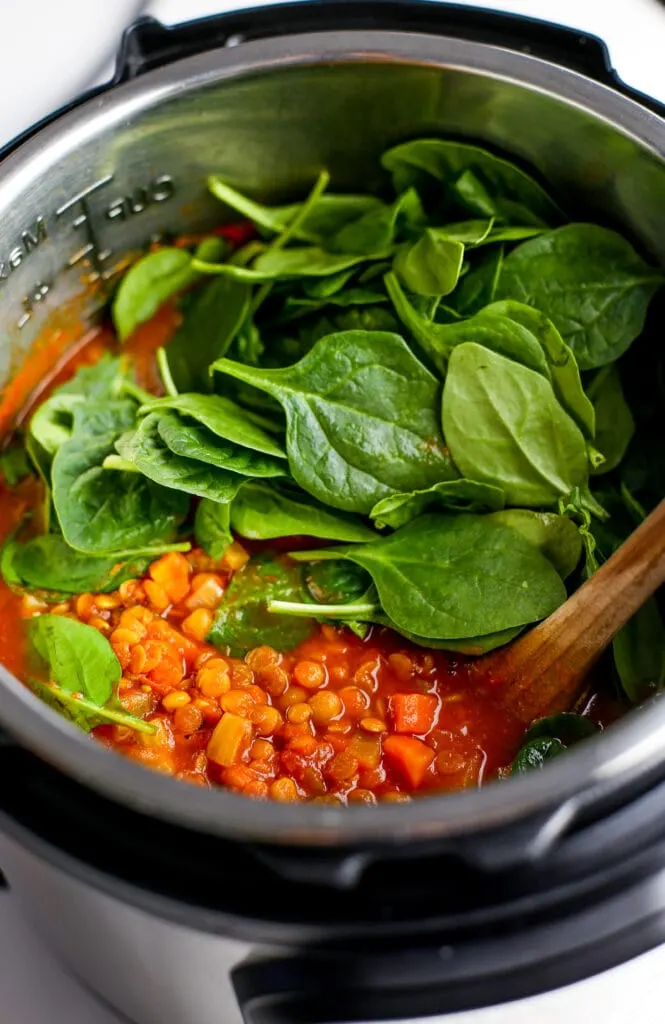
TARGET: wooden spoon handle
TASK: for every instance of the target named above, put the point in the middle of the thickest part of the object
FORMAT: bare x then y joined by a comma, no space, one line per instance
545,669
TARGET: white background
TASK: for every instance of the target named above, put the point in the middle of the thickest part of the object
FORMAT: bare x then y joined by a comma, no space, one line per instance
49,51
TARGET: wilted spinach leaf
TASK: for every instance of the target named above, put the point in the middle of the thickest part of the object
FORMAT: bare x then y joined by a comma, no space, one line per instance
86,714
549,737
49,563
555,536
243,621
639,653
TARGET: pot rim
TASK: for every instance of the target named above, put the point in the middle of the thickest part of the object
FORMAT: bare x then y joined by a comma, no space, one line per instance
553,797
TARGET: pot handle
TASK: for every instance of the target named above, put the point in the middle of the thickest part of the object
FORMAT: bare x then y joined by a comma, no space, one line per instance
148,44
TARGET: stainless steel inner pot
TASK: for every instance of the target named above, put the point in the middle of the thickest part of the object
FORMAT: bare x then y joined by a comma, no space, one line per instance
268,115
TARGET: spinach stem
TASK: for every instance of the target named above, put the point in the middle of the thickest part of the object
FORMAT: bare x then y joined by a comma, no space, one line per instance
324,555
332,611
118,463
165,373
128,387
320,186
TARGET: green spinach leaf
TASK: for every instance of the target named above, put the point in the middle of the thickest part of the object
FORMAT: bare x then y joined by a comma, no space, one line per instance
146,451
615,425
86,714
211,322
153,279
428,576
222,417
14,465
536,753
79,658
110,513
192,441
589,282
459,495
263,512
49,563
243,621
639,653
361,419
212,527
555,536
473,180
432,265
505,427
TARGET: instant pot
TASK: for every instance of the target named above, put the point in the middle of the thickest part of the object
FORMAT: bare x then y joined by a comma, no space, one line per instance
179,905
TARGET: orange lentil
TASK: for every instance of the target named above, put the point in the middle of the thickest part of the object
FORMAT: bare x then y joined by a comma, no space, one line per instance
294,695
326,705
299,713
262,750
309,674
238,702
187,719
177,699
266,720
373,725
356,701
284,790
213,679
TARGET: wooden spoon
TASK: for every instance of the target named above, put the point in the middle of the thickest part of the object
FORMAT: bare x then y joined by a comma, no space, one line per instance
544,671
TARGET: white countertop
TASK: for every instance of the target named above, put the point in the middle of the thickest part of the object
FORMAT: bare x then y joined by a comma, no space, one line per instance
49,51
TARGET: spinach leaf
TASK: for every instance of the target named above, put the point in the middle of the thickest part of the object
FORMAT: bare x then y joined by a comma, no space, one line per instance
146,451
53,421
336,583
263,512
432,265
79,658
555,536
639,653
460,495
427,576
376,230
505,427
479,287
120,514
243,621
210,324
589,282
86,714
309,261
472,179
153,279
49,563
221,416
562,364
14,465
536,753
101,381
491,327
212,527
192,441
549,737
565,726
328,216
361,418
615,425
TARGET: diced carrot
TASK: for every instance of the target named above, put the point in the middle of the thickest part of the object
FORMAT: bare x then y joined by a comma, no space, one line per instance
206,592
171,572
410,756
230,739
413,712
